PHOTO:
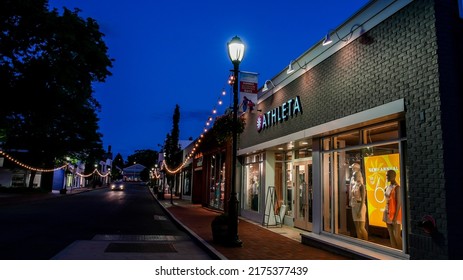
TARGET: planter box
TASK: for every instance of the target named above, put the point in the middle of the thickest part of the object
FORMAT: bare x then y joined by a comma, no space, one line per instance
219,228
219,233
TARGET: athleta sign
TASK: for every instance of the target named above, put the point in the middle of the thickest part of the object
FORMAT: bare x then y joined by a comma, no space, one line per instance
279,114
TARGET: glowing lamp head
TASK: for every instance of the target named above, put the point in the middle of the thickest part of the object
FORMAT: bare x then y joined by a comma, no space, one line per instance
236,50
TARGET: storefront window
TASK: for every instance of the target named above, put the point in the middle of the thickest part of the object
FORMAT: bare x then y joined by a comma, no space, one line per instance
217,185
187,182
357,192
289,183
279,175
252,182
304,153
327,189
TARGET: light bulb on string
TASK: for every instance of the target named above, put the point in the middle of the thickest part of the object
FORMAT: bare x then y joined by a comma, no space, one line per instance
231,80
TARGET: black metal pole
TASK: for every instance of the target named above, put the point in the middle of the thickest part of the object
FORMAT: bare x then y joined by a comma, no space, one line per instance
233,202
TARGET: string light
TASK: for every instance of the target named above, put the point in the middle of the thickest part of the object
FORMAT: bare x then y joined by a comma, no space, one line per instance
231,81
50,169
23,165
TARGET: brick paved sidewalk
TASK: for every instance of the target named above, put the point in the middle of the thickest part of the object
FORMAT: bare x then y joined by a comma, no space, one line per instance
259,243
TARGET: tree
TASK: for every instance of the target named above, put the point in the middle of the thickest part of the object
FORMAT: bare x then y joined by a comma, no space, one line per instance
172,150
147,158
48,64
118,166
171,146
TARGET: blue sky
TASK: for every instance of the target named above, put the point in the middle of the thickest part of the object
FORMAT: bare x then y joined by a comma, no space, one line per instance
175,52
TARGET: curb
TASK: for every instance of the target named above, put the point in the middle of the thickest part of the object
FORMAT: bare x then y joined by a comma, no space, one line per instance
211,251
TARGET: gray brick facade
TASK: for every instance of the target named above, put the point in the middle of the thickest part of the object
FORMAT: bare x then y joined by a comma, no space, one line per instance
412,55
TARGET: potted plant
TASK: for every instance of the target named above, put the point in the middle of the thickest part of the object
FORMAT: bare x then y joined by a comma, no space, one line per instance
220,228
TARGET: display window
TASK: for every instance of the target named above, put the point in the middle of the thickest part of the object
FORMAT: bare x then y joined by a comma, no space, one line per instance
361,189
252,182
187,182
217,181
279,181
289,182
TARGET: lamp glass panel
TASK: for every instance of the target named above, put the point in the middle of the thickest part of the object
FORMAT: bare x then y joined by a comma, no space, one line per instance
236,51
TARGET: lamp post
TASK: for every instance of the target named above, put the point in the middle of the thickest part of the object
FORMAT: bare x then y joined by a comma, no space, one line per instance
236,53
94,175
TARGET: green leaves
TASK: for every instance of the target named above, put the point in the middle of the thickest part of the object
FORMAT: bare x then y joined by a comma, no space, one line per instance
48,64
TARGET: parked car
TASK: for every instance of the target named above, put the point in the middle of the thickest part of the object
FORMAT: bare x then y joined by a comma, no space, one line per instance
117,186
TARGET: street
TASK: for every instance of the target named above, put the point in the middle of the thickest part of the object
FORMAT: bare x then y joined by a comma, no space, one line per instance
40,230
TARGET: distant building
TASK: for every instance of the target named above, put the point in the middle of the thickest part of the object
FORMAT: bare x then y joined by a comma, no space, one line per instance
132,173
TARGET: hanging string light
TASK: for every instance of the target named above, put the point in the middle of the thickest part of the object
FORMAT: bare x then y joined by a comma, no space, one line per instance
23,165
17,162
231,81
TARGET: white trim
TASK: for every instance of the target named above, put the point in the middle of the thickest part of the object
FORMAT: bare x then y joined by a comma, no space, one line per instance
387,109
363,250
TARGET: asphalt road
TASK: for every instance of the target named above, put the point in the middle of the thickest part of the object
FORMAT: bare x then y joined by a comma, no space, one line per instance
39,230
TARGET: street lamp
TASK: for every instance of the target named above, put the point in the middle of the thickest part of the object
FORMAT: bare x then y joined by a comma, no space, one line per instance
236,53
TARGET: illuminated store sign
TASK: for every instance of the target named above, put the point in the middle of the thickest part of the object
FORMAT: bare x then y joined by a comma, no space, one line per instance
279,114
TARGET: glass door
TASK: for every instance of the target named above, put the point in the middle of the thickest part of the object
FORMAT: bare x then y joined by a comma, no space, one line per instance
303,198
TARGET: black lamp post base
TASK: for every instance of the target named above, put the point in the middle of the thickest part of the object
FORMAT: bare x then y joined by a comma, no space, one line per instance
233,242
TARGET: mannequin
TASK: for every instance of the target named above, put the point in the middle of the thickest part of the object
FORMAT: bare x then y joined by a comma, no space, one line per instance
393,211
357,202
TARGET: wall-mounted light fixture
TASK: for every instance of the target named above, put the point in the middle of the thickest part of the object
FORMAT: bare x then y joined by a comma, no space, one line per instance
266,87
328,39
346,38
291,69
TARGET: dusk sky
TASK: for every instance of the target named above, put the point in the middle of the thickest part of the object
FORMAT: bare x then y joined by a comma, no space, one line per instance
175,52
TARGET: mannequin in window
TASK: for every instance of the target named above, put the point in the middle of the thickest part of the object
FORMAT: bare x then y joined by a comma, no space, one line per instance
357,202
392,215
254,194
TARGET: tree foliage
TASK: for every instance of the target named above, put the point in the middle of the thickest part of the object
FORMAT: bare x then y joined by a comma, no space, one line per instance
118,166
147,158
172,148
48,64
221,132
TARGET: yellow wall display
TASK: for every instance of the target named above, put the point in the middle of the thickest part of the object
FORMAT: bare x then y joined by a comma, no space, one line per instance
375,174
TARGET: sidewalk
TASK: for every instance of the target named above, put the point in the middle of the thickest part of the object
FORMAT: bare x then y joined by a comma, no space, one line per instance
259,242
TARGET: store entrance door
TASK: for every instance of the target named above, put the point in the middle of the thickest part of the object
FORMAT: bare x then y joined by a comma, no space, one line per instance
303,198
